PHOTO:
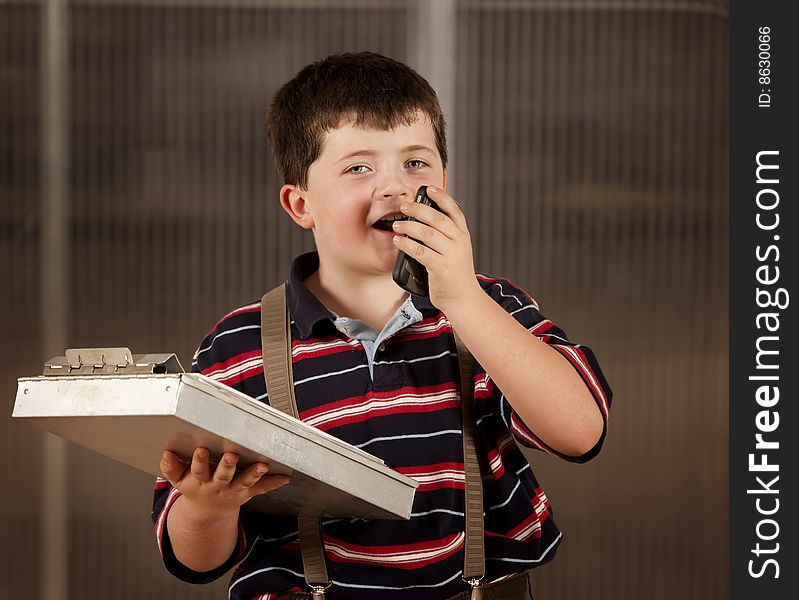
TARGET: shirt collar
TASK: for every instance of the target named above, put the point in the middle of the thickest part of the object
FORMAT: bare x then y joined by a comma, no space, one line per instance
306,310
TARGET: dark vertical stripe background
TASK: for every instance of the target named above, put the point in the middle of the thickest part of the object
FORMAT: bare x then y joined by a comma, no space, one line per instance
590,156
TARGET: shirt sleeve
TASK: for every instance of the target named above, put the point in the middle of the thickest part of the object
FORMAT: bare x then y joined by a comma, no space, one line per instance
163,498
205,361
525,310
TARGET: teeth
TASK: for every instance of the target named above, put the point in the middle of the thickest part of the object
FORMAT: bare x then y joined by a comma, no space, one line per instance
394,218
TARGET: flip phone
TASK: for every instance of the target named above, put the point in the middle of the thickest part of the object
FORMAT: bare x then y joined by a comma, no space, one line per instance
409,273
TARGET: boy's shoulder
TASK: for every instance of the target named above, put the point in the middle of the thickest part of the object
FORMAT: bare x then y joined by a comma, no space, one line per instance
236,333
505,292
247,314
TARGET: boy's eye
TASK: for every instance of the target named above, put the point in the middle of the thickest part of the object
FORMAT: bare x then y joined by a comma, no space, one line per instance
416,164
358,169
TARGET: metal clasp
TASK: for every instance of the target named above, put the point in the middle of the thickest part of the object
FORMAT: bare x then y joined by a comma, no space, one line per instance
318,591
474,583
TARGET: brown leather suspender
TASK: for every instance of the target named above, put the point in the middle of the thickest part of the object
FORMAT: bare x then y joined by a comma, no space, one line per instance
474,547
276,346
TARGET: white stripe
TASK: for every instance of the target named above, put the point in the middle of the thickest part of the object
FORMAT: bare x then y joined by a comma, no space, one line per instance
397,557
516,487
530,560
590,375
300,349
173,495
438,476
414,360
439,323
496,462
483,418
378,404
438,510
237,368
329,374
504,295
219,335
391,587
525,533
564,340
518,310
408,437
248,575
520,433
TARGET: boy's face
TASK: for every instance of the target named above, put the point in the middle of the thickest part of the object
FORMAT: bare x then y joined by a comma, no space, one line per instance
362,176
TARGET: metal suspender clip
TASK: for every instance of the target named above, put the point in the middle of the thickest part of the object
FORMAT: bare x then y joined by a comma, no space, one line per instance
318,591
474,583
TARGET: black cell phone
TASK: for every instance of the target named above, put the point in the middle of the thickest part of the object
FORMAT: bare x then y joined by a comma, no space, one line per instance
409,273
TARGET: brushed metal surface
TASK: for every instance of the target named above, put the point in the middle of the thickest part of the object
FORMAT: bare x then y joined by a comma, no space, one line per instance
133,418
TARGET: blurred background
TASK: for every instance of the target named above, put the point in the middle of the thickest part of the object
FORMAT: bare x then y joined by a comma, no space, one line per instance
589,144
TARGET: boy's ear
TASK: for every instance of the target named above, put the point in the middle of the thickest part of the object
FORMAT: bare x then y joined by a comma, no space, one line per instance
292,199
444,184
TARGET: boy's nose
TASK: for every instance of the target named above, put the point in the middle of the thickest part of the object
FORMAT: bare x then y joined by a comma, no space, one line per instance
393,189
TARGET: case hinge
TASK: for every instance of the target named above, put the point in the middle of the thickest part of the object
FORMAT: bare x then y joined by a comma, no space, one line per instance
110,361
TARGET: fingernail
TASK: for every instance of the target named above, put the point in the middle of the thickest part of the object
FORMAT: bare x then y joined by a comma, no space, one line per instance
396,224
432,188
404,206
396,239
260,471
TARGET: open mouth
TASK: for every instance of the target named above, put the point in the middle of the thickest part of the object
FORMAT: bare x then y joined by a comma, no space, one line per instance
388,224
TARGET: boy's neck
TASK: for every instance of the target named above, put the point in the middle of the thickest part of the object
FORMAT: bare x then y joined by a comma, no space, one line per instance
371,299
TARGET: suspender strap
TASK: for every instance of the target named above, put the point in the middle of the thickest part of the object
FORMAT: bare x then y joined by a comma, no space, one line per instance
276,347
474,550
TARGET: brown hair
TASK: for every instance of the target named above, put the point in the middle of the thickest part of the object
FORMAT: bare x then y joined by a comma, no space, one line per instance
370,89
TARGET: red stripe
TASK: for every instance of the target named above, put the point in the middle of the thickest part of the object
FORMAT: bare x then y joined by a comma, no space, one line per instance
448,482
231,362
397,407
588,376
412,333
382,555
300,353
498,452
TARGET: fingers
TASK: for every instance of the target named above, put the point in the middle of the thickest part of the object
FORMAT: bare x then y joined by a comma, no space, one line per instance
448,205
171,468
256,480
423,234
226,469
202,474
269,483
252,474
200,468
430,226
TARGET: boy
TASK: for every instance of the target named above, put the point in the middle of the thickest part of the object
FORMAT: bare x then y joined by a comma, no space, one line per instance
353,137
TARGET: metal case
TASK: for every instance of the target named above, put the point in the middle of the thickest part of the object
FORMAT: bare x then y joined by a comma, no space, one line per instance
133,418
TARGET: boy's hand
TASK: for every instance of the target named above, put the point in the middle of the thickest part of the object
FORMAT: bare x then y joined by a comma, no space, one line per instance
445,248
215,493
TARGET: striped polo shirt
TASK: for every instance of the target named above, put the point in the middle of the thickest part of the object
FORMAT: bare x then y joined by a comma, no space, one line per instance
396,395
